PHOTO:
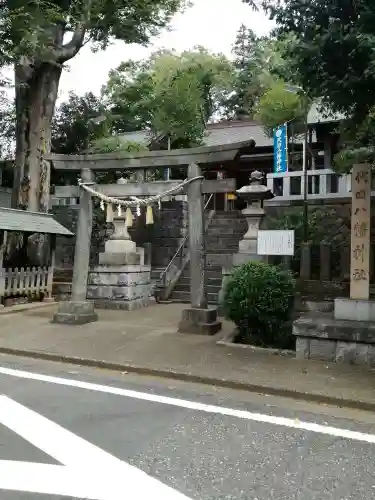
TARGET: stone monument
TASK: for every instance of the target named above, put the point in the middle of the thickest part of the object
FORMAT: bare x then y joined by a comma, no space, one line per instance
254,195
358,306
122,280
349,334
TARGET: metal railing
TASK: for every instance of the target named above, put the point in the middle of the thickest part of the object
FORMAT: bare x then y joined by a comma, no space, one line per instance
179,252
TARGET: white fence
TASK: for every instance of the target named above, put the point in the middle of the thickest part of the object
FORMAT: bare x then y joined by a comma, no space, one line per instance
322,184
26,281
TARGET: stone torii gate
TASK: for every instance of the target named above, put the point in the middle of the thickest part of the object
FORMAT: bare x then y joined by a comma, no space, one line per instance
196,319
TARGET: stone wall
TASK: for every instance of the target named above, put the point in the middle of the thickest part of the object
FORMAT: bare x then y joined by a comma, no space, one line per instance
322,337
164,235
169,230
67,216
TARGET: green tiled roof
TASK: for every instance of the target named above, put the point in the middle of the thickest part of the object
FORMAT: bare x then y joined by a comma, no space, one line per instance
32,222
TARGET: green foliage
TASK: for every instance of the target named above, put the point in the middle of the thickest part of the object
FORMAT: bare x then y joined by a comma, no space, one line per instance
35,29
278,106
178,110
357,142
258,64
324,31
324,225
128,96
115,144
333,56
172,95
247,66
258,298
74,126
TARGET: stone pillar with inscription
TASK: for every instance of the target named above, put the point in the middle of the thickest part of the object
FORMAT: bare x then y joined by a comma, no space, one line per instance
360,233
348,336
358,306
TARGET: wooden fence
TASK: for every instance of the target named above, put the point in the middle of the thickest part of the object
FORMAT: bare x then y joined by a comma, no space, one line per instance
30,281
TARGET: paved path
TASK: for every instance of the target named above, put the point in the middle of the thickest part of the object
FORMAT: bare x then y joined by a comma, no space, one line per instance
192,441
147,339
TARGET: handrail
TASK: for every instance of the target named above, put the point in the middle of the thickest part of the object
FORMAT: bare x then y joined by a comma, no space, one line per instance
182,245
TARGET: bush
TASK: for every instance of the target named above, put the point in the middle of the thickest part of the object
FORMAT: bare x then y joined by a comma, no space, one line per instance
258,298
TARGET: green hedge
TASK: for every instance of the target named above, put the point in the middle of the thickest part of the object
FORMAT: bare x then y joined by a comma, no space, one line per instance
258,298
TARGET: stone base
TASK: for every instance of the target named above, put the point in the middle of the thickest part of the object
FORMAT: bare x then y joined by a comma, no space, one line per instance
124,305
119,259
199,321
355,310
312,306
330,339
120,287
75,313
49,299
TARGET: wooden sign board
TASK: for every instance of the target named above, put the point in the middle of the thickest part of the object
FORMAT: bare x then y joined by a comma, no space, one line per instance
360,232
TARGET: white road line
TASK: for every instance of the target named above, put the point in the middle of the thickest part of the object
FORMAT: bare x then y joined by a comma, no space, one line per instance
192,405
51,438
86,471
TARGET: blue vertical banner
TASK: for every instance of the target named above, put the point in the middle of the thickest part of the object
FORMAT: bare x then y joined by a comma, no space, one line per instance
280,149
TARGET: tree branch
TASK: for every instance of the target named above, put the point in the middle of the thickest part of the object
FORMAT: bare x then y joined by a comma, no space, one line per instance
71,49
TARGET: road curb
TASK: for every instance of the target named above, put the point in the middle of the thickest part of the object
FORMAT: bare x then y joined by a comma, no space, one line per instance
190,377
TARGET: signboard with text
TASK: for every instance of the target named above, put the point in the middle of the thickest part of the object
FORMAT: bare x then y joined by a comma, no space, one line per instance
278,242
360,232
280,149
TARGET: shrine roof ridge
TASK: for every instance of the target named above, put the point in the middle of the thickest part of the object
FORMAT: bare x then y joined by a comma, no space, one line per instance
149,159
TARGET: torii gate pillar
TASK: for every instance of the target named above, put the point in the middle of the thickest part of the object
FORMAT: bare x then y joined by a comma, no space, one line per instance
198,318
80,311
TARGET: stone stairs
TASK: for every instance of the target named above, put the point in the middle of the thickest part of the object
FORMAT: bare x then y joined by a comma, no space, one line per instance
181,292
223,235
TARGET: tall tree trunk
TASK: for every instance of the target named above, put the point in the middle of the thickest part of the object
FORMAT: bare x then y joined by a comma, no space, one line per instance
36,94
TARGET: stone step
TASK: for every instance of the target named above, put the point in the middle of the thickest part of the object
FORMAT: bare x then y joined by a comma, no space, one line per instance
211,271
213,243
185,280
173,242
217,251
185,287
226,221
184,297
226,235
227,230
228,214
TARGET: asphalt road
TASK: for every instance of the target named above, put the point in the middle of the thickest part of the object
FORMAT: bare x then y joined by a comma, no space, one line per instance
243,446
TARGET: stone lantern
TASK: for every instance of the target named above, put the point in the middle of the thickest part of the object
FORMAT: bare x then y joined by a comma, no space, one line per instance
254,195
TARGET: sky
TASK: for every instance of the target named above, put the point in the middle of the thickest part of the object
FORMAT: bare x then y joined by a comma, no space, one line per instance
210,23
